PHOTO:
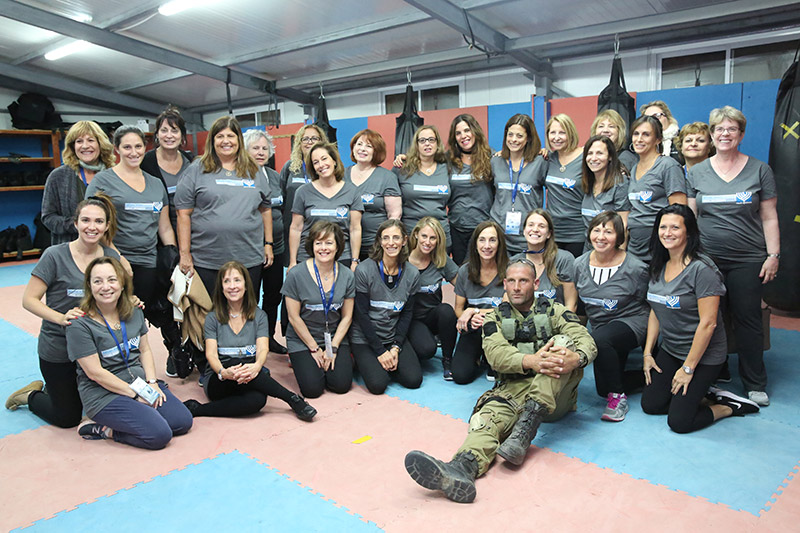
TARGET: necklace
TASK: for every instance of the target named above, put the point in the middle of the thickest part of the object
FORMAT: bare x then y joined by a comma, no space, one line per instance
730,168
428,171
563,168
229,173
237,315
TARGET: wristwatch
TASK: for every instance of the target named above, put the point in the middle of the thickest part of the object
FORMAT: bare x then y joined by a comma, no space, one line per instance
219,374
689,370
584,360
152,381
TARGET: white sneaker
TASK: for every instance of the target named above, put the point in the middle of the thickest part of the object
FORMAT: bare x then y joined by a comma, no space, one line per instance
759,396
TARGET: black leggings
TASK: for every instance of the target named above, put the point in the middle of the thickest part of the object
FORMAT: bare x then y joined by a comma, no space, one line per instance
61,405
271,284
614,342
684,413
228,398
460,244
467,357
313,381
408,372
441,321
209,277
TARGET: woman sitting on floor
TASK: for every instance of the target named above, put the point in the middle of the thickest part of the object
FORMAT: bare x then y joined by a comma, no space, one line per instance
319,300
116,373
237,343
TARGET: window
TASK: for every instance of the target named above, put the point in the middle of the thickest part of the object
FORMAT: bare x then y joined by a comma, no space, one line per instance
248,120
427,99
762,62
685,71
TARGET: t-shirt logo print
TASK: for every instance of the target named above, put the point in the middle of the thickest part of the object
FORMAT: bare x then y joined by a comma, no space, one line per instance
249,184
250,349
610,305
157,206
398,306
341,212
673,302
645,196
744,197
134,342
496,300
443,189
368,198
569,183
549,293
524,188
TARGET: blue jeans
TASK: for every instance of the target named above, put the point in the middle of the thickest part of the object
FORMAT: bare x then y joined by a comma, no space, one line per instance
142,426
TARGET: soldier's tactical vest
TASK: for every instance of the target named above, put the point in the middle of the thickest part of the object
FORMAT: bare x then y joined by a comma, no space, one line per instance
531,333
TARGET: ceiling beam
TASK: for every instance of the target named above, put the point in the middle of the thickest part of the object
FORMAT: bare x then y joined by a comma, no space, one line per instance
78,30
88,93
494,41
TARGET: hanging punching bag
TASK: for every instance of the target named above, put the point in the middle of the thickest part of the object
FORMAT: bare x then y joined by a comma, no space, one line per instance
784,158
615,95
322,120
407,123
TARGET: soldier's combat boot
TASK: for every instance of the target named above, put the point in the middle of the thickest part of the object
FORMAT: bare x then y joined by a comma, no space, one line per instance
516,445
456,478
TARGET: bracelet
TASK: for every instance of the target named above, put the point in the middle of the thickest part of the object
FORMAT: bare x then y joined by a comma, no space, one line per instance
315,350
135,396
219,374
152,381
776,256
355,260
269,243
647,355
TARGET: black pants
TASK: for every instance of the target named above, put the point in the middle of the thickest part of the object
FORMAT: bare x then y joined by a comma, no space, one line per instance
460,243
614,342
209,277
408,372
743,300
271,285
575,248
61,405
684,413
228,398
145,284
441,321
313,380
467,357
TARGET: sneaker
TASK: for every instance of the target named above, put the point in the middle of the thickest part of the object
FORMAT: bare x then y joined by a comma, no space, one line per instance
301,408
616,409
192,406
93,431
276,348
759,396
491,375
447,374
21,396
171,368
739,405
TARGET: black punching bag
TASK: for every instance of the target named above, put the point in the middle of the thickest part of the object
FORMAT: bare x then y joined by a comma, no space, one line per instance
615,95
407,123
322,120
784,158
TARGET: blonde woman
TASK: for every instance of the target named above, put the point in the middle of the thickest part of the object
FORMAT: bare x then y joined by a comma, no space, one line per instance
609,123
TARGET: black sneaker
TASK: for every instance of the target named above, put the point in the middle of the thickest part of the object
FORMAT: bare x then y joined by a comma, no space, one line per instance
301,408
740,406
192,406
171,367
92,431
276,348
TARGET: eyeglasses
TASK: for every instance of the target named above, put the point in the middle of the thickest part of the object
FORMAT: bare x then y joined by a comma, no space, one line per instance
309,140
733,130
522,261
658,115
427,140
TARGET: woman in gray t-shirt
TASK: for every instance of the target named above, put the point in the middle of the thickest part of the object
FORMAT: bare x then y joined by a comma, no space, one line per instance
735,199
684,293
236,380
319,301
116,372
58,276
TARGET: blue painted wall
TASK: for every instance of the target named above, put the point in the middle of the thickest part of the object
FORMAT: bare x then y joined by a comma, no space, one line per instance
498,115
345,129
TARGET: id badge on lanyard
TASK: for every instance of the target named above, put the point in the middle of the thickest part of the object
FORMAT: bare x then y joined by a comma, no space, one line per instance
513,217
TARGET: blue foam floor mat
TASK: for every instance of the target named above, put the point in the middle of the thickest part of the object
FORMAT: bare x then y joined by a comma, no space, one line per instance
13,275
229,492
21,366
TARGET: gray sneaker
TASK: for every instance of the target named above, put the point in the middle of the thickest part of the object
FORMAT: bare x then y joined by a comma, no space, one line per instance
759,396
616,409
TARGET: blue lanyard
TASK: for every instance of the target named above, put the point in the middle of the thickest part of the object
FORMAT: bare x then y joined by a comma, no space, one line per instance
383,276
514,186
126,353
305,176
83,177
326,303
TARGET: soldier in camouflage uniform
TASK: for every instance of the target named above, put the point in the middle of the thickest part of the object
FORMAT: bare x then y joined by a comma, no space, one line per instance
539,350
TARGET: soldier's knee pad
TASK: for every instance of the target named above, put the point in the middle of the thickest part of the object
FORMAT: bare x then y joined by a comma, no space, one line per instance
563,341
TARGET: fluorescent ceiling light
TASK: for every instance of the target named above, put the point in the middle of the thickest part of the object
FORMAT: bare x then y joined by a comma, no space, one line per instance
71,48
176,6
82,17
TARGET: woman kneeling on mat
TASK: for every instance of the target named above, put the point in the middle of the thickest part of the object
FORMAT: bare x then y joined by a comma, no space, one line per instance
237,343
319,300
684,292
116,374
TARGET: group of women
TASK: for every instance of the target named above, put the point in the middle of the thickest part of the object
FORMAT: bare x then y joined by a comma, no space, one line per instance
368,250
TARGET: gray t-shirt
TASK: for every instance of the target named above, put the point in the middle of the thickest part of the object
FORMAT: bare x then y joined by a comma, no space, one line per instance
470,201
380,184
477,295
171,180
728,212
528,184
315,206
226,221
57,269
628,159
565,270
648,195
429,294
290,182
675,306
276,203
137,214
621,297
564,197
426,196
614,199
301,285
385,304
235,348
85,337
